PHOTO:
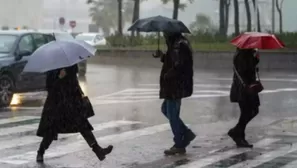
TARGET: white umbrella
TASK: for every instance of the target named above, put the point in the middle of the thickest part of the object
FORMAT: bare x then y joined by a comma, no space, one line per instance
59,54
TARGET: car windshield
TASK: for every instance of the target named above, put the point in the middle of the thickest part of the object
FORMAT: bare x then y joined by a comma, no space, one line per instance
63,36
84,37
6,42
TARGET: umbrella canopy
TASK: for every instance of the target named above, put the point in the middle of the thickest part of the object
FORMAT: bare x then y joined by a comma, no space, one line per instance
159,24
257,40
59,54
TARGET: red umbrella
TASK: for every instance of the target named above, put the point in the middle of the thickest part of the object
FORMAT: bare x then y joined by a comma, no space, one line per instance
257,40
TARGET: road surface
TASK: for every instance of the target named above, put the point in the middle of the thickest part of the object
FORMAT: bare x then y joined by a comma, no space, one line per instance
128,116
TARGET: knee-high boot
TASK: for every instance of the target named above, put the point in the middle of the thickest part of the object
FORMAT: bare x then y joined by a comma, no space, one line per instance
91,140
44,145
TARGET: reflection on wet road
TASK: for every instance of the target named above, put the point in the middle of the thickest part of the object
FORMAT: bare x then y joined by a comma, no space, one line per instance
128,116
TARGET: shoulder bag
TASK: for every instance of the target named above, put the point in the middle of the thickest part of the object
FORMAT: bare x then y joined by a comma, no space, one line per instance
254,88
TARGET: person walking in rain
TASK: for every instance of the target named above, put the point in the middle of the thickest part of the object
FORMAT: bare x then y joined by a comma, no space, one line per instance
63,112
176,82
244,78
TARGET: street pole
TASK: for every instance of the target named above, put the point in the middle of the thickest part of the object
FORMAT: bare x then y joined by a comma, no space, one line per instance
273,16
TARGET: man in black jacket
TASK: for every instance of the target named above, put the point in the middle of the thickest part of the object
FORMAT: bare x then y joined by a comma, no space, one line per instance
176,82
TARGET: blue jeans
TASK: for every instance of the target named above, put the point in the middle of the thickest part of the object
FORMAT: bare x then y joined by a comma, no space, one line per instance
171,109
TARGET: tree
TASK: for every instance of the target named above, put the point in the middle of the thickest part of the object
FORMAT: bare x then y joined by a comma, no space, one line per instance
120,18
136,13
177,6
248,15
236,17
279,7
105,17
224,16
258,16
202,23
227,9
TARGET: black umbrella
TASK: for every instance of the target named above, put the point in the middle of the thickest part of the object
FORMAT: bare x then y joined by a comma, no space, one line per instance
159,24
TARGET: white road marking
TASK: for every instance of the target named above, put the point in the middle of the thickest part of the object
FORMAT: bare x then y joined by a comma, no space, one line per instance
195,85
34,139
17,119
224,155
81,145
262,79
18,129
267,156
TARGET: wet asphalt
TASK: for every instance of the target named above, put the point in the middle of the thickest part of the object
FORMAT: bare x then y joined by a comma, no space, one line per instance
125,99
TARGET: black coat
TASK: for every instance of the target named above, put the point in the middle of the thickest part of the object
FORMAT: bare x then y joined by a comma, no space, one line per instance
245,63
176,79
62,111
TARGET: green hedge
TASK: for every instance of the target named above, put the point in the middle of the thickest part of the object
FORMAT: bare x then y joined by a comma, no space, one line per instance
197,40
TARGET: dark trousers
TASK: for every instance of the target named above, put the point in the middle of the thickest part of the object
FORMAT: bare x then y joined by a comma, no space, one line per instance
171,109
47,140
247,113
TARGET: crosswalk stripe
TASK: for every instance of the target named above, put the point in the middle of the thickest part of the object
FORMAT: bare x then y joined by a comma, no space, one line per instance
290,165
17,119
224,155
268,156
34,139
18,129
81,145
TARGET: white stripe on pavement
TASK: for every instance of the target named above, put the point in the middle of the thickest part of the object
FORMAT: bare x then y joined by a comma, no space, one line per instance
81,145
34,139
267,156
18,129
262,79
196,85
224,155
17,119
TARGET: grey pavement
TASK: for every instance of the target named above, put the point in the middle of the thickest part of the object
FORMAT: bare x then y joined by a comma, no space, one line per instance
128,116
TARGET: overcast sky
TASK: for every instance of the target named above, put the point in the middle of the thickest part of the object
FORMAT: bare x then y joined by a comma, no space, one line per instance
208,7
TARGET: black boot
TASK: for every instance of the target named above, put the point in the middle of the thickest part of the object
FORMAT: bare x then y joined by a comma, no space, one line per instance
44,145
39,157
101,152
238,138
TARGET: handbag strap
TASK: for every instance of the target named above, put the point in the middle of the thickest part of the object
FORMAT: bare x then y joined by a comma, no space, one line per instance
238,76
257,73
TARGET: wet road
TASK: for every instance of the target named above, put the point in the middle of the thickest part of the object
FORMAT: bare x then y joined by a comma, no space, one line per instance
128,116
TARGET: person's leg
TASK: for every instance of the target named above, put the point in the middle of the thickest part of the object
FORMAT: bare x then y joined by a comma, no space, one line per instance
178,127
164,108
44,145
92,142
247,113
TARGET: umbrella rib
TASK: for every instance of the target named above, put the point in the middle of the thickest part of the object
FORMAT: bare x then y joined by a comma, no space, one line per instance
64,53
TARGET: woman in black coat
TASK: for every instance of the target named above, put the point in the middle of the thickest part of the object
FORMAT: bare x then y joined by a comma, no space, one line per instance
245,62
63,112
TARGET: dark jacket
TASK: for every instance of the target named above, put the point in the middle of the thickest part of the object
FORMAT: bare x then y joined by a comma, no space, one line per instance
245,63
62,111
176,79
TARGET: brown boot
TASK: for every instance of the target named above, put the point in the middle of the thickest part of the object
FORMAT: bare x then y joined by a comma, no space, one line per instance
101,152
174,150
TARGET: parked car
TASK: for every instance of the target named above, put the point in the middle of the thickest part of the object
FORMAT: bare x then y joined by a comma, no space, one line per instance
15,49
60,35
94,39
